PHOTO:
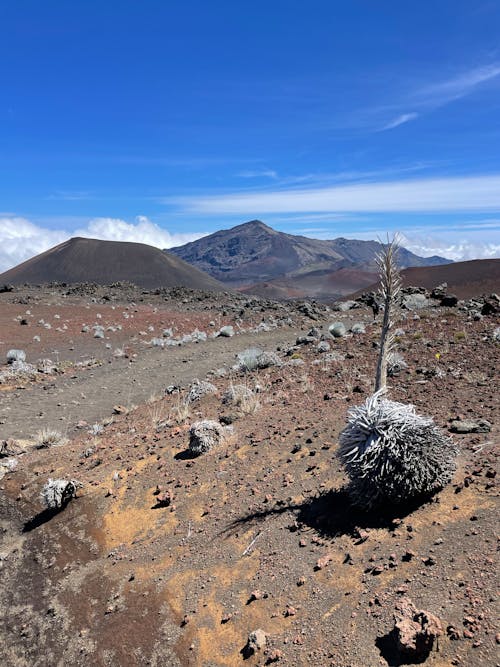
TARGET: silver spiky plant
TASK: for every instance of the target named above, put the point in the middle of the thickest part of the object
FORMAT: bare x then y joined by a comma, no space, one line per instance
390,453
57,493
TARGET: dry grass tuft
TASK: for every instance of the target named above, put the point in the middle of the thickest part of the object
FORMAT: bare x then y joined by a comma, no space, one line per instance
48,437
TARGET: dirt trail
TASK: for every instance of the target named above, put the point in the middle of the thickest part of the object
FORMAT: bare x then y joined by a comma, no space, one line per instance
62,401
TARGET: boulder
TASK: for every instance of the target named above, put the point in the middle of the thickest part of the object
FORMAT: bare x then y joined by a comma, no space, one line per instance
415,631
337,329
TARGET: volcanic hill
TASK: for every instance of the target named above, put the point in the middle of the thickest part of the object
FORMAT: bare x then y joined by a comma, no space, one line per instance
106,262
254,253
464,279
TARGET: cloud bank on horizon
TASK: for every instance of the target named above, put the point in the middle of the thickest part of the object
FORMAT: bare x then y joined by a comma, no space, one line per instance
21,239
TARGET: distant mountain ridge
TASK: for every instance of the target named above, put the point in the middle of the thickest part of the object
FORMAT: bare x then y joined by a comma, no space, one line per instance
253,253
104,262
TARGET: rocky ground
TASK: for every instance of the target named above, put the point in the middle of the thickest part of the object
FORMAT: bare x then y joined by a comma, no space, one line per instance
166,558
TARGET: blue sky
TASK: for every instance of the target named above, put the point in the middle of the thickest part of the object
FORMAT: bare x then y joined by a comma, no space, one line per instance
161,121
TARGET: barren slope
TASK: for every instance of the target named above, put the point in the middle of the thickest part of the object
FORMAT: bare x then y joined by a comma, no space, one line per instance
258,532
105,262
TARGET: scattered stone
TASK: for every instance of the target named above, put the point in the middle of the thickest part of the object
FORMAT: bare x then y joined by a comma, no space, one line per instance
323,562
226,332
449,301
337,329
10,447
416,630
274,656
344,306
416,302
470,426
257,595
257,641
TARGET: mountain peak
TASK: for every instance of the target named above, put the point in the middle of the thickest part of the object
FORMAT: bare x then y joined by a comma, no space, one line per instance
253,252
255,224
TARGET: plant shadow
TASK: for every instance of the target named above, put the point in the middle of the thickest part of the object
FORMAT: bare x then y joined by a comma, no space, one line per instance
39,519
185,455
332,514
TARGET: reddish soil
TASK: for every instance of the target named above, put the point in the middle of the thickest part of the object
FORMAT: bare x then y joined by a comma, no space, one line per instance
259,533
465,279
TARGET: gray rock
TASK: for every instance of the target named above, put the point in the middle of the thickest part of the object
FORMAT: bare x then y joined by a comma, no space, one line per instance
416,302
337,329
344,306
470,426
257,641
449,300
226,332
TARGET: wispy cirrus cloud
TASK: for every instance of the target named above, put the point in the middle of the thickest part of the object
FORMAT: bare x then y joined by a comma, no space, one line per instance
74,195
432,96
258,173
399,120
425,195
461,85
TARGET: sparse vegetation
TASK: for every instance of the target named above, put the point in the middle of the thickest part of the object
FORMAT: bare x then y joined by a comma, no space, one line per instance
205,435
254,358
57,493
395,364
15,355
96,429
200,388
392,454
48,437
180,412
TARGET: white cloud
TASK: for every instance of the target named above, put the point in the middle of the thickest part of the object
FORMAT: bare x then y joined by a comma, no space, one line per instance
399,120
142,231
456,245
455,242
428,98
258,173
431,194
458,86
21,239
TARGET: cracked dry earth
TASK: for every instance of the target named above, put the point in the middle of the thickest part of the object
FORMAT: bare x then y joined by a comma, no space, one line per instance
257,533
